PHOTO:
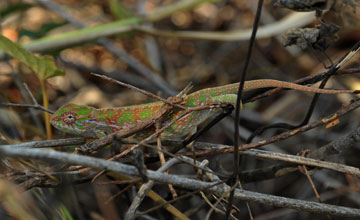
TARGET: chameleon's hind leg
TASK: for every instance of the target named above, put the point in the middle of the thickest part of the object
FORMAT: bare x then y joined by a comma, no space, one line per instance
225,99
228,99
204,115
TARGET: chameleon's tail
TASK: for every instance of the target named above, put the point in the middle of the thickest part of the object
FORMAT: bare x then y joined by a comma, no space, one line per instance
256,84
218,92
268,83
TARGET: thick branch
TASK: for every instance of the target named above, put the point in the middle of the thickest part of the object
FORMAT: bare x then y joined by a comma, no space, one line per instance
221,190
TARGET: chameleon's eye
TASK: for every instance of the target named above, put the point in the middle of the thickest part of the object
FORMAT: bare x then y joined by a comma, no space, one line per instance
69,118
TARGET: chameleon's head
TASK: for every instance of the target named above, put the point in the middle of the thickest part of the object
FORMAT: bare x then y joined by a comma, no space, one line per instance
74,119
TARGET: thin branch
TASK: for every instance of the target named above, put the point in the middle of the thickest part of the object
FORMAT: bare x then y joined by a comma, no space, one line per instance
220,190
30,93
238,102
344,110
138,90
119,75
34,106
145,188
283,157
338,146
52,143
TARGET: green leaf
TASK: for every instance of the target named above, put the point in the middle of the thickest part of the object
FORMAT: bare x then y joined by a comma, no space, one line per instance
44,67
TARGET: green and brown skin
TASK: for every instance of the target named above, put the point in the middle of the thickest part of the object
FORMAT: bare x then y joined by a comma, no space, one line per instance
96,123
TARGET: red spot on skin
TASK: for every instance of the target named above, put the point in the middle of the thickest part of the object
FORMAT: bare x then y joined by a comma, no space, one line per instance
69,117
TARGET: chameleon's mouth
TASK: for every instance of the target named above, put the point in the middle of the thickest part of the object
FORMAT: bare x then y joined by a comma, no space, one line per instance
68,128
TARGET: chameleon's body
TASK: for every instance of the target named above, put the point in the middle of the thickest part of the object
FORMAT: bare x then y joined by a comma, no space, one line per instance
91,122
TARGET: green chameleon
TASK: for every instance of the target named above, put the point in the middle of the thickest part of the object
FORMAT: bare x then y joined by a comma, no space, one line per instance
96,123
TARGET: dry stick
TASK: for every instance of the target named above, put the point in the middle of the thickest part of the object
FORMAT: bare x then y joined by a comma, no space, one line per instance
278,156
47,122
213,178
155,197
194,163
253,150
121,182
209,173
288,134
45,173
308,162
183,196
83,170
138,90
30,93
35,105
335,147
126,188
194,159
117,74
146,187
203,164
235,177
52,143
304,170
132,130
177,199
23,91
39,107
9,151
162,159
332,70
315,157
213,206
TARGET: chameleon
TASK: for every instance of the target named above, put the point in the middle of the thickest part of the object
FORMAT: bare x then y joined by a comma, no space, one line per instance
91,122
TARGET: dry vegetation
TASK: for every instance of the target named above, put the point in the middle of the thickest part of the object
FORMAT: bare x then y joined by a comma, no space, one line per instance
161,46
